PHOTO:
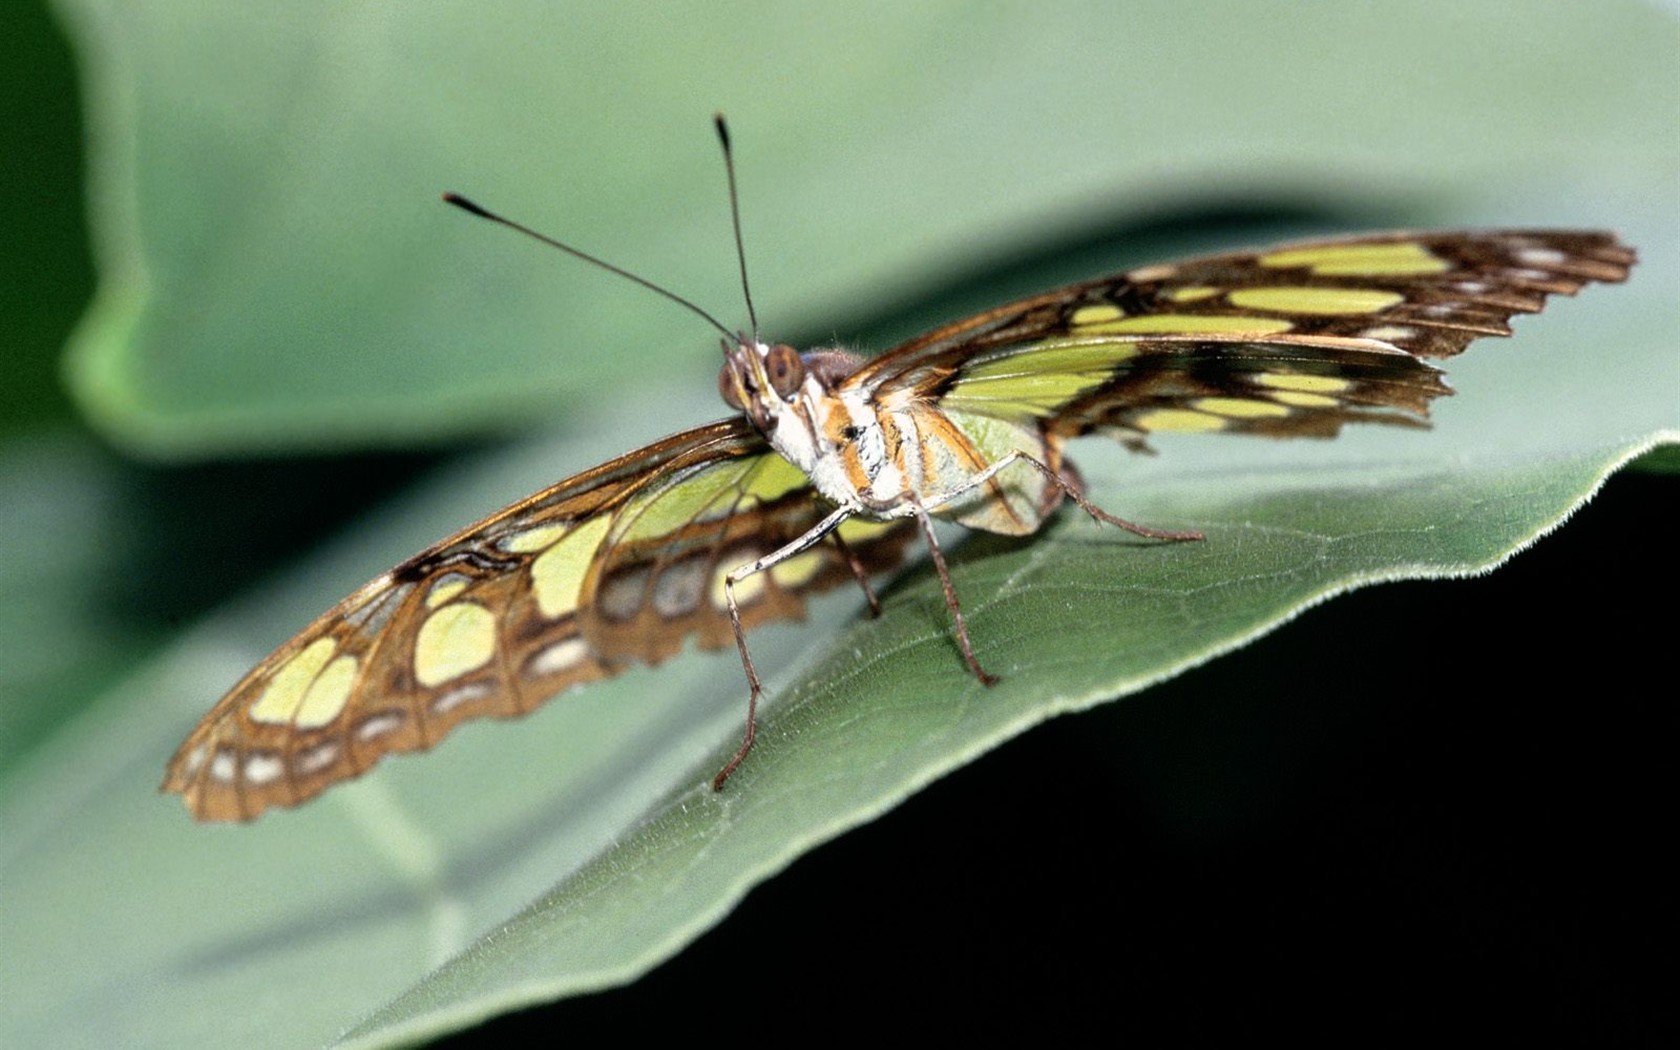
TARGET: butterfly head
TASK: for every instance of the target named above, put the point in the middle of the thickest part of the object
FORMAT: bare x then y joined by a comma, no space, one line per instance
769,383
794,399
762,381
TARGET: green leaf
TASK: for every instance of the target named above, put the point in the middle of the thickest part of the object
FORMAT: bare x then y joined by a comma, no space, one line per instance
277,272
275,275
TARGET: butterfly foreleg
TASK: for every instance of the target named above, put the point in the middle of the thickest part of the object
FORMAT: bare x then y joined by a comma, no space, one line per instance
1072,489
804,542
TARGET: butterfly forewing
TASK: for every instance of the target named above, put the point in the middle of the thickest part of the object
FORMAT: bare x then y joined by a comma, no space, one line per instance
617,565
1292,341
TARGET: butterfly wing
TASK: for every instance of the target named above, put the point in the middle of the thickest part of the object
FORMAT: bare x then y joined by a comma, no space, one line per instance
1293,341
619,564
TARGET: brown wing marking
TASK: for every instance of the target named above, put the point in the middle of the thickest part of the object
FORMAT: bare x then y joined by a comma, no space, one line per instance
490,622
1427,295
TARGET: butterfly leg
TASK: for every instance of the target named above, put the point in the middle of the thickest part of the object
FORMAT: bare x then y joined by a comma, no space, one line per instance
1074,492
986,678
754,688
859,573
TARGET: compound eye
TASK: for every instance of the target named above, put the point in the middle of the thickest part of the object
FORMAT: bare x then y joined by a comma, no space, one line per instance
726,388
787,371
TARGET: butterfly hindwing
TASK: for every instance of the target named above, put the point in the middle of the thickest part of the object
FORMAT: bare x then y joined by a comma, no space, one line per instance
523,605
660,579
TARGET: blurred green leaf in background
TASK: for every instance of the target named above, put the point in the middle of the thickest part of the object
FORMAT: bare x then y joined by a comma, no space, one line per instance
1424,802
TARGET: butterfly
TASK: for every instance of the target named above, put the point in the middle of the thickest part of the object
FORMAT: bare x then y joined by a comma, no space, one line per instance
834,465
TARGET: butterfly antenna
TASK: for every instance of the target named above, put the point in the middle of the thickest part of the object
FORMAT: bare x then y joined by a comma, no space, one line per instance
735,214
484,213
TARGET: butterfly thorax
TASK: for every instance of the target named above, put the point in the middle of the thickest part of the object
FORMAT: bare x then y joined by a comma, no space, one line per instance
880,448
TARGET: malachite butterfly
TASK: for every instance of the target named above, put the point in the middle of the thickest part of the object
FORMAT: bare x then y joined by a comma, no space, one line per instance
833,464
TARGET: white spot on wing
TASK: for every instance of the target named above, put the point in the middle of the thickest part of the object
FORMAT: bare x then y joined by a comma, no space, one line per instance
223,765
317,758
561,656
262,767
676,591
619,596
456,697
378,724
